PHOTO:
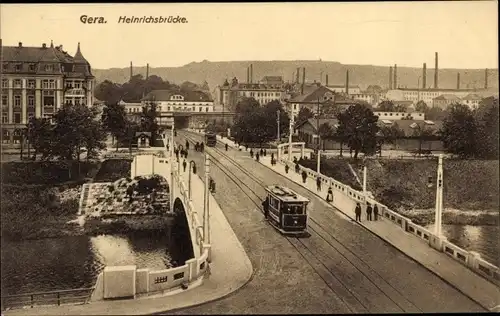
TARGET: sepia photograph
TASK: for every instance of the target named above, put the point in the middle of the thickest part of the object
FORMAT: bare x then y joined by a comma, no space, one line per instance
249,158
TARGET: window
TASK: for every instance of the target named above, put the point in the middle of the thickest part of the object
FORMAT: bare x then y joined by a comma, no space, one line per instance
49,84
17,101
206,109
200,109
5,118
77,85
17,118
18,83
31,101
32,67
49,67
5,100
31,115
18,67
31,84
5,83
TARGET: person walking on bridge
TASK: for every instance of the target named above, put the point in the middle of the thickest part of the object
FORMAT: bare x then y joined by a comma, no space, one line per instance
265,206
358,212
318,183
187,144
184,165
375,211
226,147
251,152
369,211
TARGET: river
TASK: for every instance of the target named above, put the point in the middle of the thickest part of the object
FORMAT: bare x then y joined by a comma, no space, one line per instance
481,239
75,262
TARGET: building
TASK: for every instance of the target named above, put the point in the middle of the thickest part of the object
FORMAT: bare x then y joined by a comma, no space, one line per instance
472,100
425,95
133,110
228,95
341,88
445,100
309,99
169,101
392,116
37,81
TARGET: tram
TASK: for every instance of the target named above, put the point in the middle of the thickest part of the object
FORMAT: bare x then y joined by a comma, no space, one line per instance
287,210
210,139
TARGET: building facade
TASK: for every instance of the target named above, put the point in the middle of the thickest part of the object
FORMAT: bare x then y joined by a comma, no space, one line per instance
425,95
341,88
445,100
36,82
169,101
416,116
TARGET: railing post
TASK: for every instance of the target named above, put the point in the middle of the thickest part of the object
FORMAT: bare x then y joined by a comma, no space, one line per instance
31,300
58,299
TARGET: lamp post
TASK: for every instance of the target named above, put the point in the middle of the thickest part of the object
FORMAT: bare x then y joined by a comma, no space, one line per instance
439,197
292,119
364,177
172,170
278,119
319,142
179,160
206,208
194,171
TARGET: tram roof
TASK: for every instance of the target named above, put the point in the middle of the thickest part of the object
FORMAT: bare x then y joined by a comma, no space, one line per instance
285,194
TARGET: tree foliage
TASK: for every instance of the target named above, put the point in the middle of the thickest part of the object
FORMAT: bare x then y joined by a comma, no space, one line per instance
149,122
114,120
459,131
358,127
486,117
421,106
40,136
390,133
303,115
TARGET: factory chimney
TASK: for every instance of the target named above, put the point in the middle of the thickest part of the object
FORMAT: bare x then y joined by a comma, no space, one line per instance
390,78
458,81
424,76
298,76
347,82
251,73
248,74
303,79
486,78
395,81
147,71
326,79
436,70
131,71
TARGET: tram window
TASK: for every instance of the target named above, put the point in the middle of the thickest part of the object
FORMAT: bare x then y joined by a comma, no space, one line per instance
296,209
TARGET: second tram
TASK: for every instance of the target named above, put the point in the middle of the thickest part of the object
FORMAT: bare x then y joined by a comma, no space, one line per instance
210,139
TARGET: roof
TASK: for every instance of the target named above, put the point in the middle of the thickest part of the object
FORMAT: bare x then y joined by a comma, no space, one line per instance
272,78
409,126
341,86
257,86
285,194
189,96
472,96
436,90
314,95
314,122
449,97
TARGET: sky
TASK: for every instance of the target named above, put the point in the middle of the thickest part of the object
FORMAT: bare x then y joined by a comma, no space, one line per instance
465,34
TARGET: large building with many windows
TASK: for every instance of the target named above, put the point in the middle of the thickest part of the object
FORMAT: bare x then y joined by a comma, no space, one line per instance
37,81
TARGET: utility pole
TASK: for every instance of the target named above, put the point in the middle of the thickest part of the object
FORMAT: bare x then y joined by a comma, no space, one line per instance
319,141
292,118
439,197
171,187
278,119
206,212
364,178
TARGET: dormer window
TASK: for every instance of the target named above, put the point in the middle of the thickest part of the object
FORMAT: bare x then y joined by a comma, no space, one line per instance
5,66
19,67
32,67
49,67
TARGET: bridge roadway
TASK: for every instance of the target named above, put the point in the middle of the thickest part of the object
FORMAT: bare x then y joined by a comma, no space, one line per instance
341,268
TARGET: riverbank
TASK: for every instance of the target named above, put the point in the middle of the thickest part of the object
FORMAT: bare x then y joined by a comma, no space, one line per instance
470,193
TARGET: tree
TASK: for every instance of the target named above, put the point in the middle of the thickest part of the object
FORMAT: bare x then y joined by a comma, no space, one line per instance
128,136
459,131
421,132
331,109
270,116
421,106
326,132
114,120
386,106
389,134
435,114
149,121
108,92
486,117
304,114
359,128
40,137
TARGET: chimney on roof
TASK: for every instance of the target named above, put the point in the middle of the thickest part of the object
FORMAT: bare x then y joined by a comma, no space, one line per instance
298,75
131,71
44,45
20,44
424,76
303,79
248,74
390,77
436,70
395,80
458,81
326,79
347,82
251,73
147,71
486,78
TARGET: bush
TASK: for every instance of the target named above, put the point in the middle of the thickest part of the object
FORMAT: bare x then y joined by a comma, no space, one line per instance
113,169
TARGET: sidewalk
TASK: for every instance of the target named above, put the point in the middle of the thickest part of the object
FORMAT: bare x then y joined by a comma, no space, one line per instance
230,269
453,272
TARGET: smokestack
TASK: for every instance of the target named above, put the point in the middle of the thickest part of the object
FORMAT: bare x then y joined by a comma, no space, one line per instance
303,79
298,75
395,81
436,70
326,79
147,71
486,78
390,78
424,76
251,73
248,74
458,81
131,71
347,82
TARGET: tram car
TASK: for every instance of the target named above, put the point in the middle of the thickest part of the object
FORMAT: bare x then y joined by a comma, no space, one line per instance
210,139
287,210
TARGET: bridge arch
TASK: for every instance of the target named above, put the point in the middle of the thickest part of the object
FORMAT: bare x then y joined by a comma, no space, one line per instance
181,244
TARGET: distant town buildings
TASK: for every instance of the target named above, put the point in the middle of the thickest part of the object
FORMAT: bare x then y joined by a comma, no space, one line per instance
37,81
169,101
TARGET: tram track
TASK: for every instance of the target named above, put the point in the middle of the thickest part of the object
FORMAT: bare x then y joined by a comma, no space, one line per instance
335,250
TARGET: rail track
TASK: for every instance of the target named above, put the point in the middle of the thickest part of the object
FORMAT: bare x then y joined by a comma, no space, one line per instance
308,248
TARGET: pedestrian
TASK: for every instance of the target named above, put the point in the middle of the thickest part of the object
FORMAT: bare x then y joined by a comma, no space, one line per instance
185,154
184,165
226,147
375,211
329,196
257,157
318,183
358,212
187,144
246,147
261,152
369,211
251,153
265,206
265,152
272,156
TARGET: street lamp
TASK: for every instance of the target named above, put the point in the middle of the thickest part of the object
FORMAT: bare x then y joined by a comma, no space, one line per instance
439,197
278,119
194,171
172,170
206,206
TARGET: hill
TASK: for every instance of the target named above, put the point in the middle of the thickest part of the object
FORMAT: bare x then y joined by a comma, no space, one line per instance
363,75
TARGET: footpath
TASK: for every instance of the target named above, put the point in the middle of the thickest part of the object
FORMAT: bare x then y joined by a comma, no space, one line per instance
451,271
229,270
